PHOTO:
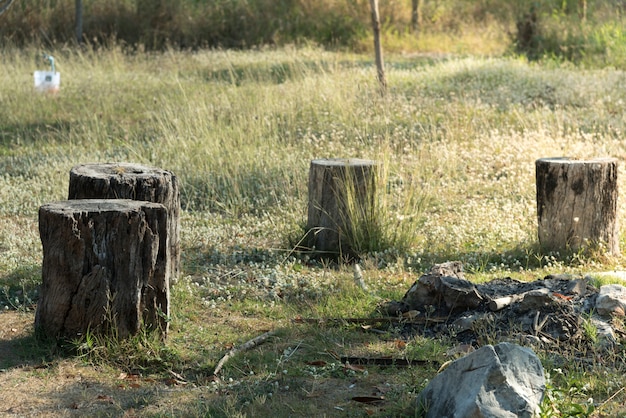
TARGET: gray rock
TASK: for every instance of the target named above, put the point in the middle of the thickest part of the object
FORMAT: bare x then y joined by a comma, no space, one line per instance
604,332
611,300
492,382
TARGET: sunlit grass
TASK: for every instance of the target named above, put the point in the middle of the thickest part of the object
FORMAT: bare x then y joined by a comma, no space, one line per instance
457,139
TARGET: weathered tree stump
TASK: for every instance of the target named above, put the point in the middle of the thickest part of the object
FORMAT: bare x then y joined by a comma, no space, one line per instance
105,268
342,204
577,203
132,181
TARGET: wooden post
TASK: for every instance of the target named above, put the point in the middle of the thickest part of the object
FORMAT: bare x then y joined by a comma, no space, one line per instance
341,203
132,181
105,268
577,203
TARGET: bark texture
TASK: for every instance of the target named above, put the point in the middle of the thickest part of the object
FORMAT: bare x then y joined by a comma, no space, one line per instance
105,268
137,182
577,203
341,199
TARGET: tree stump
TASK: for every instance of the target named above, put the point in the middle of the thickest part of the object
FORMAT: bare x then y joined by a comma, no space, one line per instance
132,181
577,203
105,268
342,204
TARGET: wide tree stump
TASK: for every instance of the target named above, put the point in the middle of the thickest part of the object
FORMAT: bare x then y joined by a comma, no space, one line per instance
342,204
105,268
577,204
132,181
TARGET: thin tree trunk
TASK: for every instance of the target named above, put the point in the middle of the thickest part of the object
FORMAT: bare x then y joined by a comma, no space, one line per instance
79,22
416,15
5,6
380,64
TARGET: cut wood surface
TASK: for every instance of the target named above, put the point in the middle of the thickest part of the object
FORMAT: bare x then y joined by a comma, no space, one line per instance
105,268
577,203
341,197
132,181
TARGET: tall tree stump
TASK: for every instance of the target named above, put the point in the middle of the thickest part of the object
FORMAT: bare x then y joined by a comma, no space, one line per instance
105,268
132,181
577,203
342,204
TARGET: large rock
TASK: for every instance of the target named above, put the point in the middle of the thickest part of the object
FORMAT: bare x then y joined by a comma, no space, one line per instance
499,381
611,300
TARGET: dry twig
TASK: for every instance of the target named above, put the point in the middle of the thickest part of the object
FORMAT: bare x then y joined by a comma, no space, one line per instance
245,346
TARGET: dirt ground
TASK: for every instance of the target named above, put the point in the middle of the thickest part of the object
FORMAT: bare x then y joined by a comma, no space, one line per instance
57,387
37,383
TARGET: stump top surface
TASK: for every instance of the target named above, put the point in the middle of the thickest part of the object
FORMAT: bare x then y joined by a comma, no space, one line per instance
98,205
567,160
106,170
336,162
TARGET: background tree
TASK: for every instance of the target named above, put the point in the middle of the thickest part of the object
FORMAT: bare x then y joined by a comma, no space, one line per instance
79,21
380,64
416,14
4,5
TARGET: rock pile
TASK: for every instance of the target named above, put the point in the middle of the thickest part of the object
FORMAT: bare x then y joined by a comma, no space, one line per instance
552,310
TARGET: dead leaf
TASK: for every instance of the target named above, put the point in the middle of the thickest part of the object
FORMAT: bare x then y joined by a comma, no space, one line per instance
460,349
382,389
135,385
177,376
353,367
369,399
411,314
319,363
400,345
122,376
106,398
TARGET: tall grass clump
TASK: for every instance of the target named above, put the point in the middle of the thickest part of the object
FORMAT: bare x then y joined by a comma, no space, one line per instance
390,216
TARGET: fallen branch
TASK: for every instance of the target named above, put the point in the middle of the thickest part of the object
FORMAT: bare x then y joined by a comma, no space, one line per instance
386,361
393,319
245,346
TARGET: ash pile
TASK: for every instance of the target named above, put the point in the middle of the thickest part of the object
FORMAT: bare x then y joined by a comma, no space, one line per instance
559,310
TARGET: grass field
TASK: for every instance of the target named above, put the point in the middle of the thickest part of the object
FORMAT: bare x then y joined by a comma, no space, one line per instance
457,137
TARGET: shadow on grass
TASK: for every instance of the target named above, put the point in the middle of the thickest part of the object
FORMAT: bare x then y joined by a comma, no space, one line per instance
18,343
19,288
31,132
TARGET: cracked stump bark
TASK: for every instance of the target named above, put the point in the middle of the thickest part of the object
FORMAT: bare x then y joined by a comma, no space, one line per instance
105,268
342,204
132,181
577,204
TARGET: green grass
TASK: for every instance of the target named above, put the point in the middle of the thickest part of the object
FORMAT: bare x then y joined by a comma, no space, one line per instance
457,138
